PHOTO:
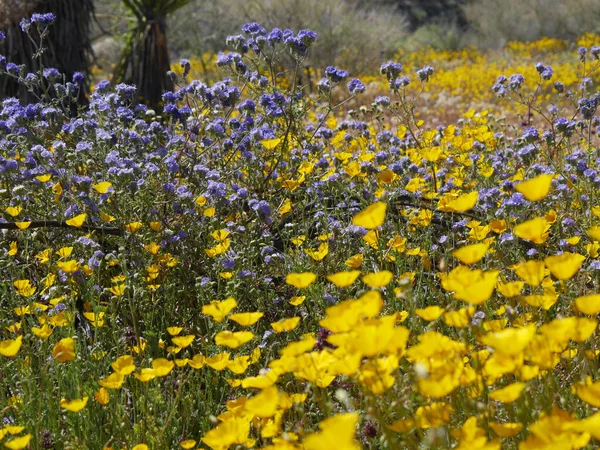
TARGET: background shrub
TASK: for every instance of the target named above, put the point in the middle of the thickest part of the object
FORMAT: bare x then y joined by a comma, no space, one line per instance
360,36
493,23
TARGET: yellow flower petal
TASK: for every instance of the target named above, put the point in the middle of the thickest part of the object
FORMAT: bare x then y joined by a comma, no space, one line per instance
264,404
537,188
174,331
218,362
509,393
372,217
18,443
471,254
378,279
506,430
246,319
285,324
161,367
430,313
132,227
233,339
43,333
183,341
74,405
77,221
270,144
300,280
463,203
64,350
337,432
286,207
298,300
68,266
355,261
113,381
564,266
124,365
588,392
219,309
14,211
11,347
588,304
534,230
102,396
44,178
22,225
344,279
102,187
511,289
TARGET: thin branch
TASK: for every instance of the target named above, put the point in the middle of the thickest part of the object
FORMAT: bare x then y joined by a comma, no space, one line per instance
57,224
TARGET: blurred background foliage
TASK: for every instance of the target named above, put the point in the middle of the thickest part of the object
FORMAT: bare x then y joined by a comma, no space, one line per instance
359,33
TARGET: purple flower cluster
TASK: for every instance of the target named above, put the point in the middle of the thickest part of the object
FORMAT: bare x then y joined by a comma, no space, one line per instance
425,73
544,71
335,75
355,86
42,22
256,38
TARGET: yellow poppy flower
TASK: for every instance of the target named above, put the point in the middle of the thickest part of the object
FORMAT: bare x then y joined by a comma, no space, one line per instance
336,432
378,279
183,341
564,266
537,188
463,203
285,324
509,393
264,404
124,365
430,313
355,261
102,396
64,350
233,339
11,347
298,300
14,211
219,309
532,272
174,331
371,217
113,381
77,221
471,254
74,405
300,280
246,319
534,230
588,304
18,443
344,279
101,187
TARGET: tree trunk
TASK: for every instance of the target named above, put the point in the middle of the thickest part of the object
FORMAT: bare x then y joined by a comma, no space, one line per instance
149,63
145,61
